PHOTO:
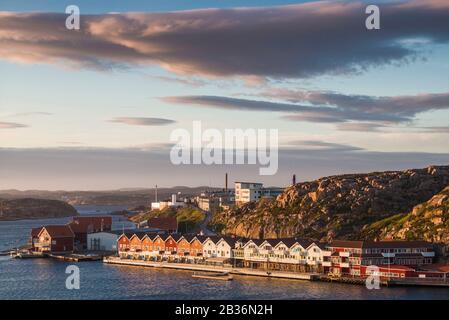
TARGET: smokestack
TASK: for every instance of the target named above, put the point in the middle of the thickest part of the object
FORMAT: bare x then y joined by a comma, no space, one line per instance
294,179
156,194
226,182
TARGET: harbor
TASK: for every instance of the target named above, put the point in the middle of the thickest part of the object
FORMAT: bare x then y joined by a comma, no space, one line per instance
134,279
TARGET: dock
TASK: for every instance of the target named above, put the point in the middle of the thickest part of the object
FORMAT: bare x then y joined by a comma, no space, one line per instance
423,282
213,269
213,276
76,257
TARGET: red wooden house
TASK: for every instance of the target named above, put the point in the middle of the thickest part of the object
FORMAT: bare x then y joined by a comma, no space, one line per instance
123,243
54,239
159,244
171,244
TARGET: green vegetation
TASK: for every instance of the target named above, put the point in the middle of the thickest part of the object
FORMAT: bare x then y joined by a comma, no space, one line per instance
188,218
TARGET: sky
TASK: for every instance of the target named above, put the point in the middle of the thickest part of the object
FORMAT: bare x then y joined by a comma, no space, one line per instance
94,108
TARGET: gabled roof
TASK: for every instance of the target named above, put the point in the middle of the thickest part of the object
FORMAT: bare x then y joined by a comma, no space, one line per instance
214,239
189,237
163,223
35,232
229,240
86,224
201,238
380,244
175,237
58,231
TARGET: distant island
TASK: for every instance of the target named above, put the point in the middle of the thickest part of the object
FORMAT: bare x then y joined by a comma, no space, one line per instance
131,197
29,208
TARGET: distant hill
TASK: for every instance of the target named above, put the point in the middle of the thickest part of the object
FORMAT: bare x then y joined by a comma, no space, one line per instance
343,207
131,197
29,208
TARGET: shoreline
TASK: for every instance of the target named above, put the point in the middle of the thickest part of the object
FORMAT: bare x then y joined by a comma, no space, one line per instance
274,274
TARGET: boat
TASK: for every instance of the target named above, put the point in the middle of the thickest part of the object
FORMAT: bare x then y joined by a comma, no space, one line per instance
225,276
26,255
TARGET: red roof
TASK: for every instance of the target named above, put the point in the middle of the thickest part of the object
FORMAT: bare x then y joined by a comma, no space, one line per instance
380,244
35,232
90,224
166,223
59,231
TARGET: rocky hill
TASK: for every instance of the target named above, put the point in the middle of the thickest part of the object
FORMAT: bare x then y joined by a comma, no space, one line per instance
29,208
342,206
428,221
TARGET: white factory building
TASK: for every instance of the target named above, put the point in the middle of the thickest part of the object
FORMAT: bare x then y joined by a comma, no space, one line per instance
252,191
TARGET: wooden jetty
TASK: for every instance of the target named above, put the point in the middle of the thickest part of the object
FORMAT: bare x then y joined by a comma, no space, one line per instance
76,257
224,276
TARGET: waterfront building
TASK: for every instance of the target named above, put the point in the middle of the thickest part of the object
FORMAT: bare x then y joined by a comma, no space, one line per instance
103,241
123,245
159,244
171,244
183,246
147,244
352,257
210,247
108,240
34,236
224,247
84,225
196,246
55,239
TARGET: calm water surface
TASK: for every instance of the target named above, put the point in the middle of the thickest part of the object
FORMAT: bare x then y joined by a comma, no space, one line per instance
45,279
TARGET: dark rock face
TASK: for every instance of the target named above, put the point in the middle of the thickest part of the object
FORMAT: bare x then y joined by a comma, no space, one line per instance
336,206
34,209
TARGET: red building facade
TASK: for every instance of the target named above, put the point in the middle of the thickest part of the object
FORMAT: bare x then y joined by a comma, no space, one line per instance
352,258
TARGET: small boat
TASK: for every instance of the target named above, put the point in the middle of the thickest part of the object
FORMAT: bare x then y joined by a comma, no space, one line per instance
26,255
225,276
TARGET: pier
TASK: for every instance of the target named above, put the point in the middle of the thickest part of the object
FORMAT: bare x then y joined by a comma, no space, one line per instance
214,269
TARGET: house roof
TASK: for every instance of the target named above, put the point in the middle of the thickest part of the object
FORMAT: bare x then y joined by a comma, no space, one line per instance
230,240
89,224
175,237
163,223
59,231
35,232
379,244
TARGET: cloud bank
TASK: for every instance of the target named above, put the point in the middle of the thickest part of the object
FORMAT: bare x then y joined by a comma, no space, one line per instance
295,41
139,121
370,112
12,125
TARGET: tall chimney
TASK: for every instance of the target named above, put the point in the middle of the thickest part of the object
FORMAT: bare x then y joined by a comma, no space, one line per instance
156,194
226,182
294,179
